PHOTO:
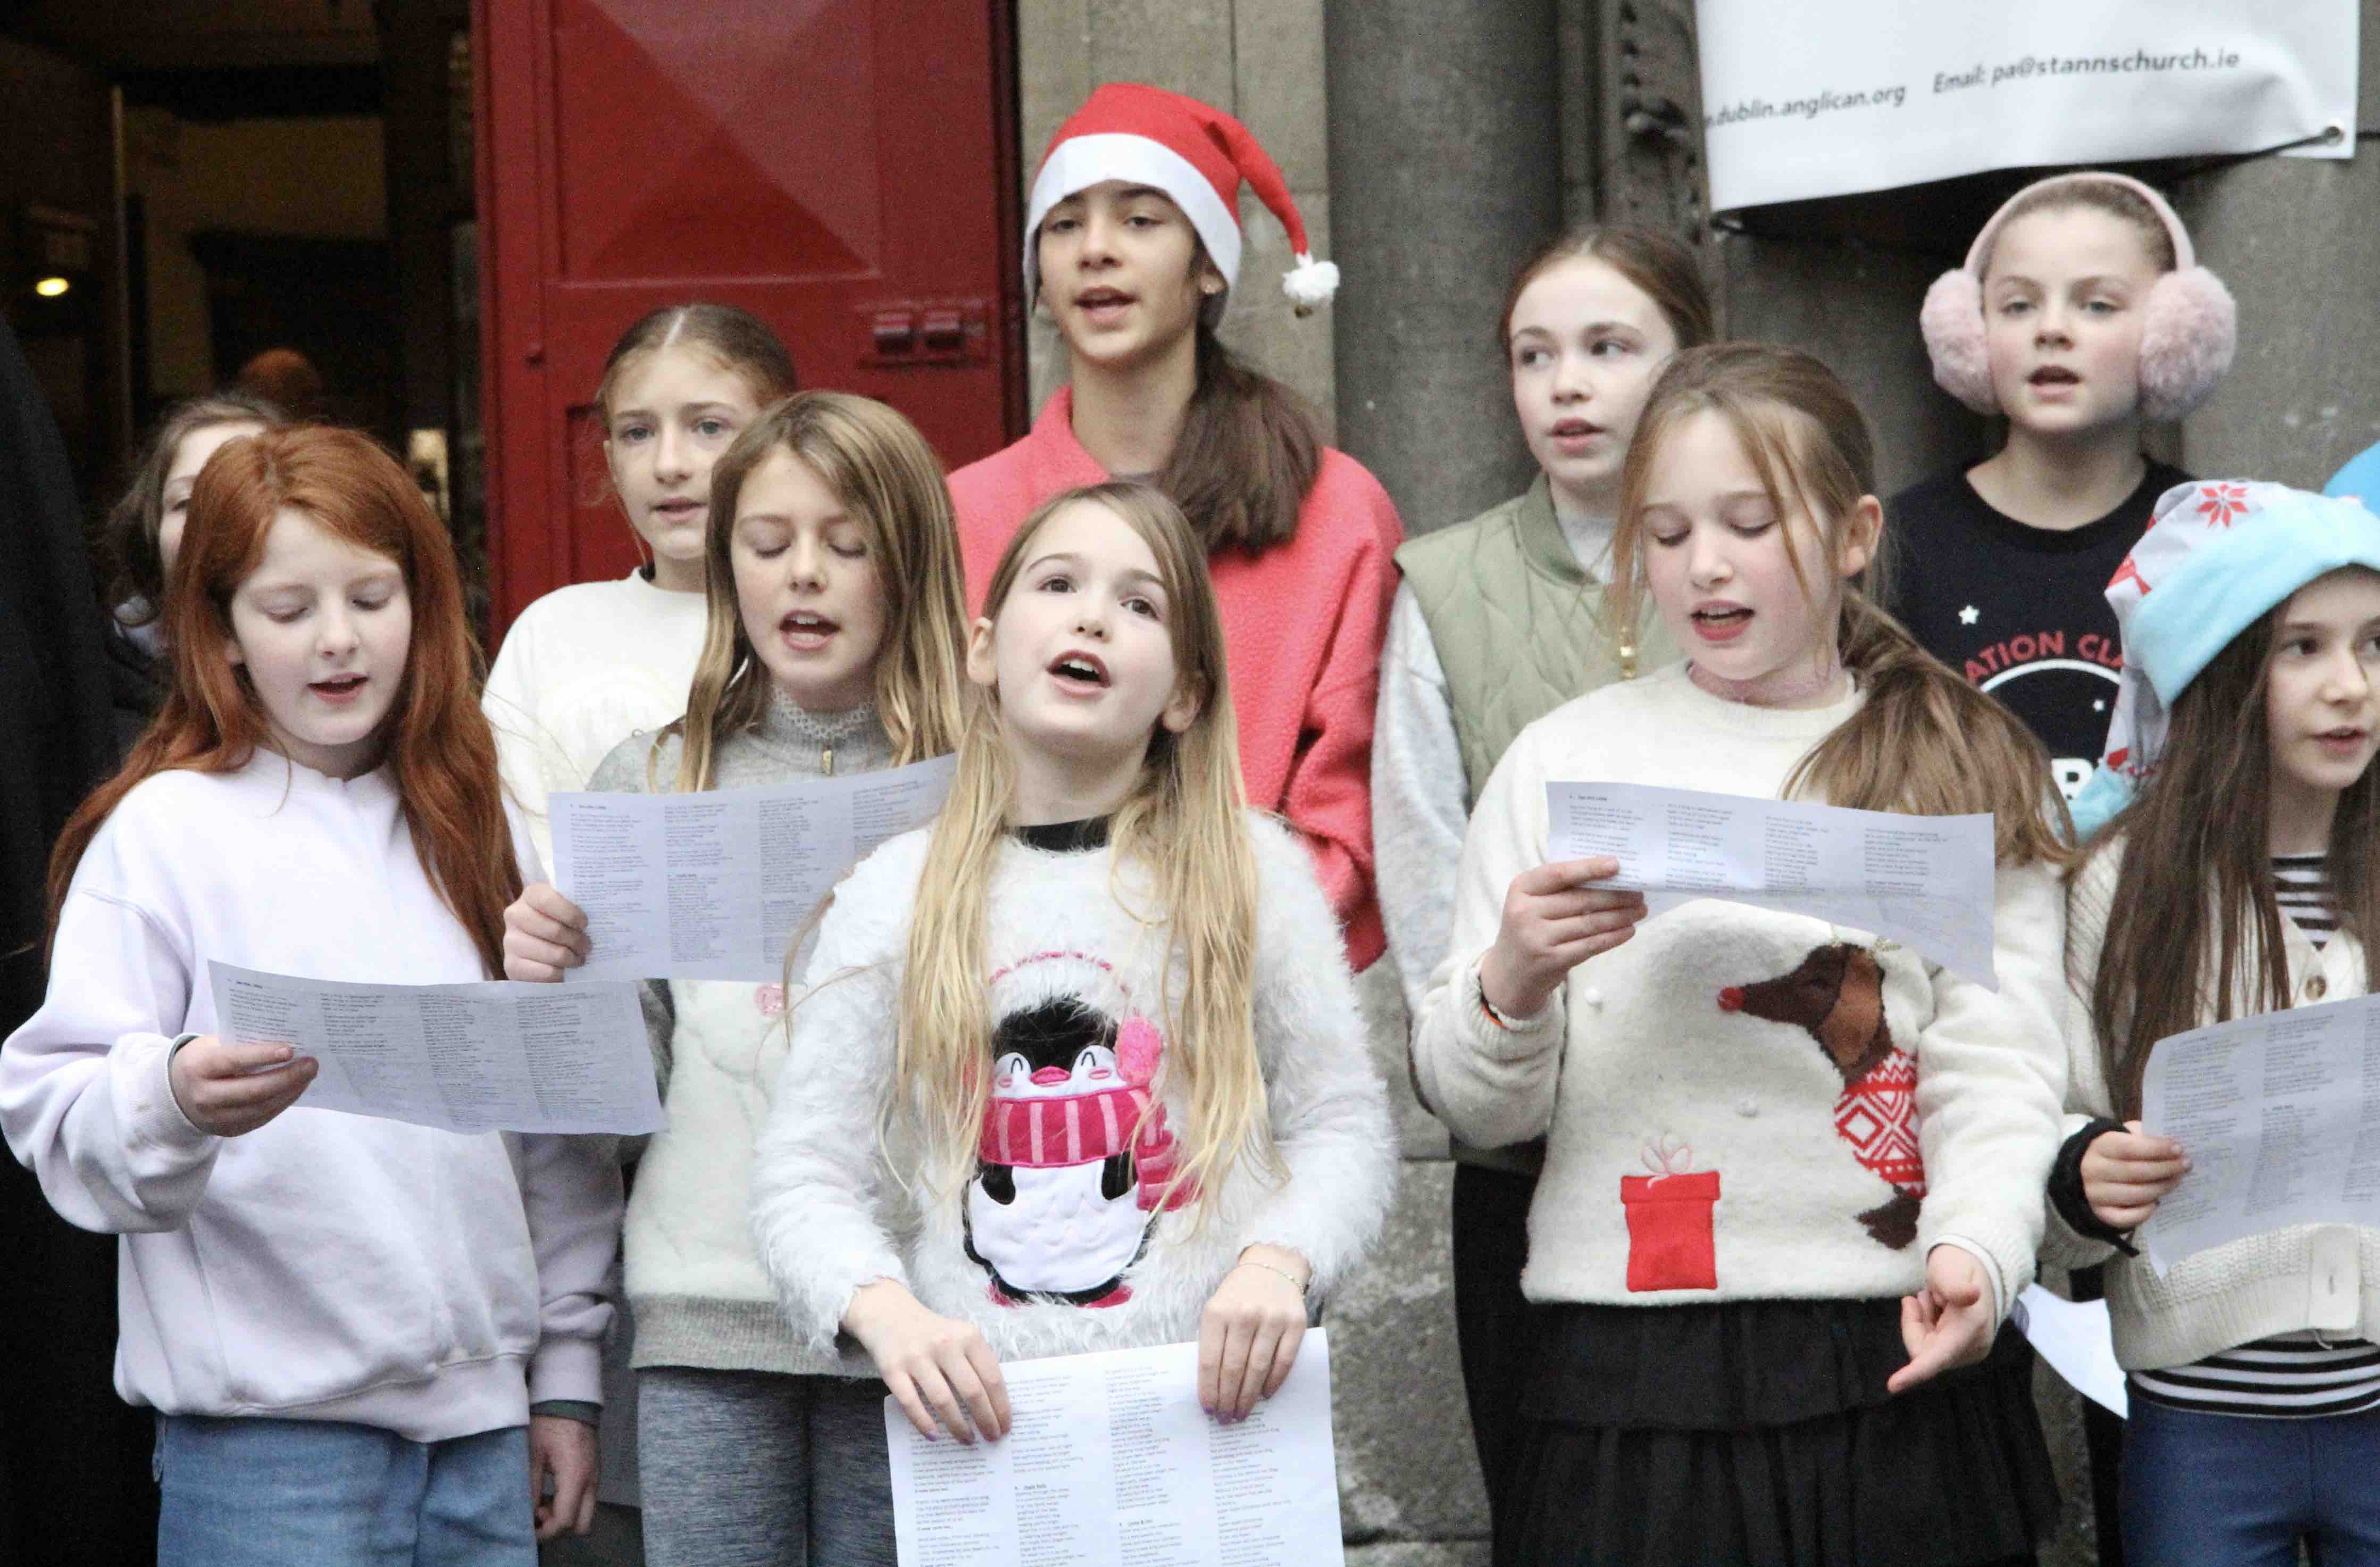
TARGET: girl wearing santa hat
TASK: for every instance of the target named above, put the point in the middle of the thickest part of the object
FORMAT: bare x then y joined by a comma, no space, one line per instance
1132,246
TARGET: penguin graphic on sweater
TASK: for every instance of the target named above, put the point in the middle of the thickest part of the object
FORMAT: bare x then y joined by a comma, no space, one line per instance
1837,995
1076,1157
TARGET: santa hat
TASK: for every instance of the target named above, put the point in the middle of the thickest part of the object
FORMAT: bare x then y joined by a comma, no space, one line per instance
1197,155
2217,556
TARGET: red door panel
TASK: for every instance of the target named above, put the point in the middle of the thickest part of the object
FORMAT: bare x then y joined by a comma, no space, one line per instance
844,169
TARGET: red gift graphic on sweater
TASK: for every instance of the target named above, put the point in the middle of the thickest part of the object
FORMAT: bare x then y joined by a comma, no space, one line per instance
1670,1244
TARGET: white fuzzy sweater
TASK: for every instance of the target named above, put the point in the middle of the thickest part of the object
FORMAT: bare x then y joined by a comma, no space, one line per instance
1640,1066
2324,1277
830,1214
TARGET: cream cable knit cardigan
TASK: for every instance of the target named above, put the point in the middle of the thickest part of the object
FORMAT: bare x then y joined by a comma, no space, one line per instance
2324,1277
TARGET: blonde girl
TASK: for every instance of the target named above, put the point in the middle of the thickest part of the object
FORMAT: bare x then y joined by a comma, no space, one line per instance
1777,1229
2082,317
1082,1067
834,645
587,665
354,1332
1498,620
2235,874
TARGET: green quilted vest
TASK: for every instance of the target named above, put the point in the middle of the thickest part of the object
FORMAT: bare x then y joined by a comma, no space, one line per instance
1517,625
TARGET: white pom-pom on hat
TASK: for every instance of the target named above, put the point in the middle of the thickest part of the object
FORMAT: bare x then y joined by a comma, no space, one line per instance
1310,283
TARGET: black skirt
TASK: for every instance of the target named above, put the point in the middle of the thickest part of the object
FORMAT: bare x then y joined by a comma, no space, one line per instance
1760,1432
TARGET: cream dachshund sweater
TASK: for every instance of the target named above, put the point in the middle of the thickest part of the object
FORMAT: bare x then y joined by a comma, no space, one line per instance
1741,1103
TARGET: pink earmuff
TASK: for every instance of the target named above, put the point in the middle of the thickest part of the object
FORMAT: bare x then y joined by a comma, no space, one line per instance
2186,344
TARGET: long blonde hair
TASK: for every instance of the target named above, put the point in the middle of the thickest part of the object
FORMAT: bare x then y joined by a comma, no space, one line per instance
880,469
1183,826
1925,742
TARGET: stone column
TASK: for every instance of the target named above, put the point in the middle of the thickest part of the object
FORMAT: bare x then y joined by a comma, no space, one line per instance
1452,148
1446,167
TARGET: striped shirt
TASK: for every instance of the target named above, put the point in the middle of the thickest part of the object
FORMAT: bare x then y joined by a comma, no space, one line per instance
2290,1375
2302,890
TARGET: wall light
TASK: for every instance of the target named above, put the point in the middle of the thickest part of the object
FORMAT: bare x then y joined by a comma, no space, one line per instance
51,288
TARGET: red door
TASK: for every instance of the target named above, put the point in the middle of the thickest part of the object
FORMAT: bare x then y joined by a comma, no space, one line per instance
844,169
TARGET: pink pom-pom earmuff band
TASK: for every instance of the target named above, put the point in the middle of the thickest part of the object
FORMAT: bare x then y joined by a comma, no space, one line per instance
2187,341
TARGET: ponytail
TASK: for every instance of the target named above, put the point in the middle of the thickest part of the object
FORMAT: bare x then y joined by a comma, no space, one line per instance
1248,451
1927,743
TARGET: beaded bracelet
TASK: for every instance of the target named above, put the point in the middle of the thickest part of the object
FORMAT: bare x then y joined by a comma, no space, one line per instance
1300,1283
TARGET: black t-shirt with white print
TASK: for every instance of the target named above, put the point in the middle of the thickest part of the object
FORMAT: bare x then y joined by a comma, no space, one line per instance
2021,610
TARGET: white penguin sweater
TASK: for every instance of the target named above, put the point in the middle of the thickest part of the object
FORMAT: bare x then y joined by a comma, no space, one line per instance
1743,1104
1064,1240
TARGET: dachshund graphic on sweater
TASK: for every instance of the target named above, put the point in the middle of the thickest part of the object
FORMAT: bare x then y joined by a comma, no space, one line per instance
1837,995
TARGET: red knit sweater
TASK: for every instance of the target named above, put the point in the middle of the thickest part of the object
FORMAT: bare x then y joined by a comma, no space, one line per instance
1303,623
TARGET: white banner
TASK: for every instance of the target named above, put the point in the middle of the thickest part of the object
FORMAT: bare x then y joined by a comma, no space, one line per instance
1848,95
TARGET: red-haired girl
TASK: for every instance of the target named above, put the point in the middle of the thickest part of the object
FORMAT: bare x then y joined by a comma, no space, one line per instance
342,1321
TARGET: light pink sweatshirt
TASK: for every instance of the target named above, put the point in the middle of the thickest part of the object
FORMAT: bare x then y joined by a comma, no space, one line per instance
326,1265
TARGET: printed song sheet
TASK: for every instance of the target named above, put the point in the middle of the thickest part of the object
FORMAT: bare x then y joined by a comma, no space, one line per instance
1923,881
464,1057
2281,1116
2077,1340
714,885
1110,1461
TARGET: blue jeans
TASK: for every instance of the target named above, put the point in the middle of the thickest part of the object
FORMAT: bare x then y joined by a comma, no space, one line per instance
316,1493
2234,1491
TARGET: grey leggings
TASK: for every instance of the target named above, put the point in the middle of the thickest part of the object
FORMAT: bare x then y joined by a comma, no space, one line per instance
755,1469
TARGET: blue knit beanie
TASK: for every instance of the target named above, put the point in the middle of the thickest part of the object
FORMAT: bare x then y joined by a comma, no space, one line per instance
2217,556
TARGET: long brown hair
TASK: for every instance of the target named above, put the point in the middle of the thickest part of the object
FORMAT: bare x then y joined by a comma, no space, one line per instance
2192,921
128,536
439,747
1925,742
1248,449
880,469
1657,266
1183,824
